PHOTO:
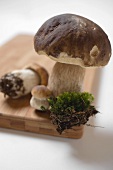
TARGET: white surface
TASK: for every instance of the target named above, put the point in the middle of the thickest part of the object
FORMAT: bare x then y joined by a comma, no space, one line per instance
26,151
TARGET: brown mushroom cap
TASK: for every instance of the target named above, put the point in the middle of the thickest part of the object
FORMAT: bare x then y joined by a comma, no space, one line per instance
42,72
41,92
69,38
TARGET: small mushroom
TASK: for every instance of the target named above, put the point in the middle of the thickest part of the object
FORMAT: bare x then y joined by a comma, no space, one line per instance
75,43
40,95
20,82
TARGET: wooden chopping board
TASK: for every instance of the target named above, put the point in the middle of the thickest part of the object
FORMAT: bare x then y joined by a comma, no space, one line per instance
17,114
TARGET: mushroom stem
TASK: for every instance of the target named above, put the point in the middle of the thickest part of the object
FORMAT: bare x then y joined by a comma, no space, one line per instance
66,78
19,82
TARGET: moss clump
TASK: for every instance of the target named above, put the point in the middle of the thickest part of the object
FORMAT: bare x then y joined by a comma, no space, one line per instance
71,109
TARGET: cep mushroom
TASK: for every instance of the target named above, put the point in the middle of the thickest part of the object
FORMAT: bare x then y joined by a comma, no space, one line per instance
75,43
40,95
20,82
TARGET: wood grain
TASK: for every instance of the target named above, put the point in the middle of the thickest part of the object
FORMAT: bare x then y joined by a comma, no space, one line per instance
17,114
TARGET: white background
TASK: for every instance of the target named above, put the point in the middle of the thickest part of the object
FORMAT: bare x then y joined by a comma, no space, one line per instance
27,151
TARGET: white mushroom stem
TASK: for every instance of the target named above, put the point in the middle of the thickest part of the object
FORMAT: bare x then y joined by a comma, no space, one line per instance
19,82
66,78
30,79
38,103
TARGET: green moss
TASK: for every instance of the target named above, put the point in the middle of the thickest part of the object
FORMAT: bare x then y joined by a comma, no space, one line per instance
66,102
71,109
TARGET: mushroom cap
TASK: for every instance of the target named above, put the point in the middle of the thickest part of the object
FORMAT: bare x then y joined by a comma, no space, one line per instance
73,39
42,72
41,92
